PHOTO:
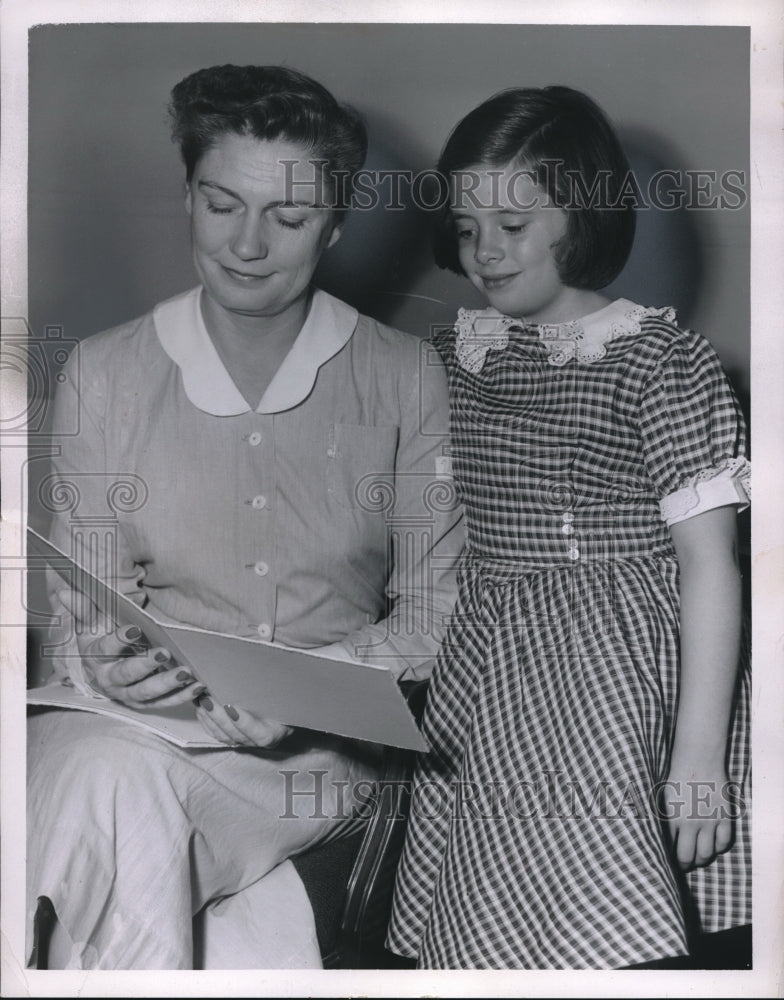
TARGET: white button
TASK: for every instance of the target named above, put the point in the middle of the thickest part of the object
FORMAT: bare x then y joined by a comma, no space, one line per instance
573,554
254,439
261,568
259,502
567,529
331,452
264,630
568,517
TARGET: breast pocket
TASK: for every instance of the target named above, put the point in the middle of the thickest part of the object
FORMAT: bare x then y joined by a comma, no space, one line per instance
361,466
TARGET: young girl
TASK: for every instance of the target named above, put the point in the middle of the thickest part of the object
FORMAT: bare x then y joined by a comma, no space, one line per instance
584,804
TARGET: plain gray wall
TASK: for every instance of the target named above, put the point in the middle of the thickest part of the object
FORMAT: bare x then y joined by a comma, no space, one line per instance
108,233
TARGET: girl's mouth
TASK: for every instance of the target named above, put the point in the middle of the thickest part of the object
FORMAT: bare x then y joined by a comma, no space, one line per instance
497,282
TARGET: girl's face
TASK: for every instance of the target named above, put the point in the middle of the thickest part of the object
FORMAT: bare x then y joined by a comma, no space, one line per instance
506,236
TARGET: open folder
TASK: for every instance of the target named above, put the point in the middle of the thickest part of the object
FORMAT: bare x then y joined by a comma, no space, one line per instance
287,685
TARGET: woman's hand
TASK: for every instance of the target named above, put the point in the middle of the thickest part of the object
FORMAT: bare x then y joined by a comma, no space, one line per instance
234,726
699,812
140,679
120,666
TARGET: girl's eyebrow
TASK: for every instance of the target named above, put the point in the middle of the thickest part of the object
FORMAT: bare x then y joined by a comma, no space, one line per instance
457,216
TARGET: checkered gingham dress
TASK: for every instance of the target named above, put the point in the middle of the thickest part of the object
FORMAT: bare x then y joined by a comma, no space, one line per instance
532,842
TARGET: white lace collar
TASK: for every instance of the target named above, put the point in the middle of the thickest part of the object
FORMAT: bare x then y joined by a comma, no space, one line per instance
483,330
184,337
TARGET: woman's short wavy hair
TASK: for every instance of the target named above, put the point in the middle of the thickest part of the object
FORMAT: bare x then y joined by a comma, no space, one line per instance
268,103
564,140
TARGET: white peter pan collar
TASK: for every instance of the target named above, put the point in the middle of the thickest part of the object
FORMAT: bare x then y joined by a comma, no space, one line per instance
183,336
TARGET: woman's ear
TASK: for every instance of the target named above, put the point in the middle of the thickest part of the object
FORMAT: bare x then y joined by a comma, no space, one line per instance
334,236
188,199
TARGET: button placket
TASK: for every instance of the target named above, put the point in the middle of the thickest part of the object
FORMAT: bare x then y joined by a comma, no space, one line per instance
567,528
257,472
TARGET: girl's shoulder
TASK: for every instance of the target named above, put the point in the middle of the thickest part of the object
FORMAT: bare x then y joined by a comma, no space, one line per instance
648,333
627,321
657,333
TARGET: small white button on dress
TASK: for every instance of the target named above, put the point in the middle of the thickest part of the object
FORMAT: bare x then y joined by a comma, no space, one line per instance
254,439
259,502
264,631
261,568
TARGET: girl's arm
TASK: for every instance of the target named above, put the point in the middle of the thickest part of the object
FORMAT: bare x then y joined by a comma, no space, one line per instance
710,595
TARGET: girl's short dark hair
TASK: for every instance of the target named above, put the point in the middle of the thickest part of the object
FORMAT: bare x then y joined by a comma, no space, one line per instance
269,102
567,144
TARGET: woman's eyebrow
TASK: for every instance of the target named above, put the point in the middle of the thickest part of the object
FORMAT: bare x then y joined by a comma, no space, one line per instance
219,187
282,203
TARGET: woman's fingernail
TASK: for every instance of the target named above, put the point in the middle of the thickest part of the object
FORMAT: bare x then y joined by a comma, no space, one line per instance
198,692
162,656
206,703
231,712
131,633
184,677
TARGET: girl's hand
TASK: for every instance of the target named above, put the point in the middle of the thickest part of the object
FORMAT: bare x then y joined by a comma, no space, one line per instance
234,726
699,812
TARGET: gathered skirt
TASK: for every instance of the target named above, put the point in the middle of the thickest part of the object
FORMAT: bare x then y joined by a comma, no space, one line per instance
535,841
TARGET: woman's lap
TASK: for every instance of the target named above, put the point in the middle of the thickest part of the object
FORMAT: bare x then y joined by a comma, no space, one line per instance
129,836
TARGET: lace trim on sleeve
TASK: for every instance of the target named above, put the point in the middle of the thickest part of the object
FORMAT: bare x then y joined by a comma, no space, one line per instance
728,483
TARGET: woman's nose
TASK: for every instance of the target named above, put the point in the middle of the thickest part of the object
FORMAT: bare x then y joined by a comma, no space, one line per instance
249,242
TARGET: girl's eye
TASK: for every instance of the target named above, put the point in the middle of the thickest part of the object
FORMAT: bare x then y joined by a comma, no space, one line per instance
219,209
290,223
515,229
465,234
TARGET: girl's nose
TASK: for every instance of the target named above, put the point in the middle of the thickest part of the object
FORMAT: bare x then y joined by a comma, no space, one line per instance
249,242
487,249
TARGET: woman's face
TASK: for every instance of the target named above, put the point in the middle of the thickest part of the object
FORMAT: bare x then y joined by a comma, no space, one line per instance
256,226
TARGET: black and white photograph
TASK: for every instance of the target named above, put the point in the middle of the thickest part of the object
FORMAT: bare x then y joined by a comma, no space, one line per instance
381,579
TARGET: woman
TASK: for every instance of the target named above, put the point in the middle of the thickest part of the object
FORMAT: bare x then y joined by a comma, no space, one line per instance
259,419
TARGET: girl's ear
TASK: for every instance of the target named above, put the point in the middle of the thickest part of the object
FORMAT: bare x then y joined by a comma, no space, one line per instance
334,236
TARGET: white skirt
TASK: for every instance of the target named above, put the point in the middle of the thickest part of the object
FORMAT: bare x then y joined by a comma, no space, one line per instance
130,837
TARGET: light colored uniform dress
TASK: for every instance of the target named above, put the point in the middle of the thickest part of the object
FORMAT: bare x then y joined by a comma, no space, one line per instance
534,841
310,521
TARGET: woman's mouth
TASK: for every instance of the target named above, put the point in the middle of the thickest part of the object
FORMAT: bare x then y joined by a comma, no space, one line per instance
244,277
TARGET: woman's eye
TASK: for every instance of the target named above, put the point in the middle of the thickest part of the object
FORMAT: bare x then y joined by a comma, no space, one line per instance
465,234
515,229
290,223
219,209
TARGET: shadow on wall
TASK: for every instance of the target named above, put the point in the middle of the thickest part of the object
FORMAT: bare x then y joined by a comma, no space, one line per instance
385,253
666,265
385,247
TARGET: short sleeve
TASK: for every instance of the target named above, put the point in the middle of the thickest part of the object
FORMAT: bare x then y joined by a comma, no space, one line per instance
693,432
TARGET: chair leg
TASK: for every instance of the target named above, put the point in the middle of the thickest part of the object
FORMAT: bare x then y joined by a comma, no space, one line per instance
43,925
